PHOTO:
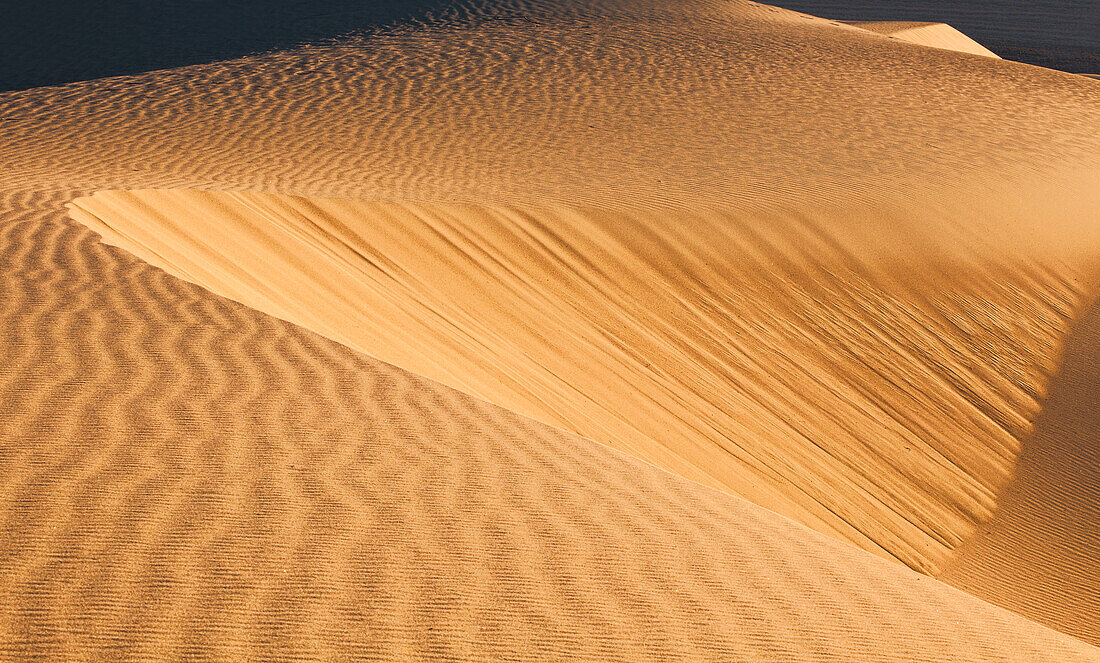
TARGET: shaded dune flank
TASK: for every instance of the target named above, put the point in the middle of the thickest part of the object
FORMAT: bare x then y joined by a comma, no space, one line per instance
186,477
798,245
1038,554
874,393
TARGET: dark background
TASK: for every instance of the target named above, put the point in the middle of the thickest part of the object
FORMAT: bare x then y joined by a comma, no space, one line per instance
1060,34
49,42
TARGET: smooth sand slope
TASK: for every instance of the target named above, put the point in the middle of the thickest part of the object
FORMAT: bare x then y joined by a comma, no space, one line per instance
777,255
873,391
938,35
1061,34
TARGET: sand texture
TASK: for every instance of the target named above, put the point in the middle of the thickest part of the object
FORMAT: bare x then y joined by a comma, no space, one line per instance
586,330
939,35
1041,548
755,355
1062,34
290,499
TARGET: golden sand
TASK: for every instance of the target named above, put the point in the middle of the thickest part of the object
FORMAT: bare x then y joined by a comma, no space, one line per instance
590,330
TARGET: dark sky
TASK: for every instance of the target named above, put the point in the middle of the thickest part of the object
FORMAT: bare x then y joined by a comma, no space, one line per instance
1061,34
48,42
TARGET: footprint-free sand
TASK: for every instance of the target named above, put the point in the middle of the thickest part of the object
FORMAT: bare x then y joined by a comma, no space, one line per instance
586,330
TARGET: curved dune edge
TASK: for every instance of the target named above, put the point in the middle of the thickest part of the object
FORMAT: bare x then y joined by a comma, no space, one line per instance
1038,554
937,35
264,493
184,476
875,393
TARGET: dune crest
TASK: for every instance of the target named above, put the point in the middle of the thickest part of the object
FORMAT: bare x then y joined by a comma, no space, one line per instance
938,35
874,392
785,257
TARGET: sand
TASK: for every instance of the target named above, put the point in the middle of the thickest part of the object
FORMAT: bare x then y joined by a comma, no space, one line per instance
598,330
753,355
938,35
1061,34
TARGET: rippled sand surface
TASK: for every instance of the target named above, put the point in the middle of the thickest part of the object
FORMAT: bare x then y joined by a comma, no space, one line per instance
597,330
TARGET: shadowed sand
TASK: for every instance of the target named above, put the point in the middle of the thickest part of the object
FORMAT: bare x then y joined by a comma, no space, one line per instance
783,257
1039,552
1061,34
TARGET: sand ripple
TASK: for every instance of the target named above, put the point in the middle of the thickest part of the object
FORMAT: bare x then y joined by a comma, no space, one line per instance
185,477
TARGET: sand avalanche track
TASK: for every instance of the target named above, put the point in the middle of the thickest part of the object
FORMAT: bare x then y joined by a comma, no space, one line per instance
873,392
602,330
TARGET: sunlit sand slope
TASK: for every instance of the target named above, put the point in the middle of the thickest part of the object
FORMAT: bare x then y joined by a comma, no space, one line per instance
872,391
184,477
1062,34
161,442
939,35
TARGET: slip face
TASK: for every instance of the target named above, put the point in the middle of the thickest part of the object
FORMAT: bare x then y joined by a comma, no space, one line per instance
875,393
593,330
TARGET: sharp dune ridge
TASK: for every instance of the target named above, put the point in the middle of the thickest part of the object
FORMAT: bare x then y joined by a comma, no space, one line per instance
588,330
938,35
1060,34
757,356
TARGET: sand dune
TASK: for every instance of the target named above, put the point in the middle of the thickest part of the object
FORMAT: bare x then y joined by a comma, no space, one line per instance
1062,34
756,355
938,35
776,255
198,480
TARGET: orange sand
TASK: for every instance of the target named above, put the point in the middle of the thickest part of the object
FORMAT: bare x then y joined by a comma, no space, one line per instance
938,35
597,330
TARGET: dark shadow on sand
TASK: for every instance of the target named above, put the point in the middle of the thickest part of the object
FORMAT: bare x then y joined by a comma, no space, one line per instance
1038,554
